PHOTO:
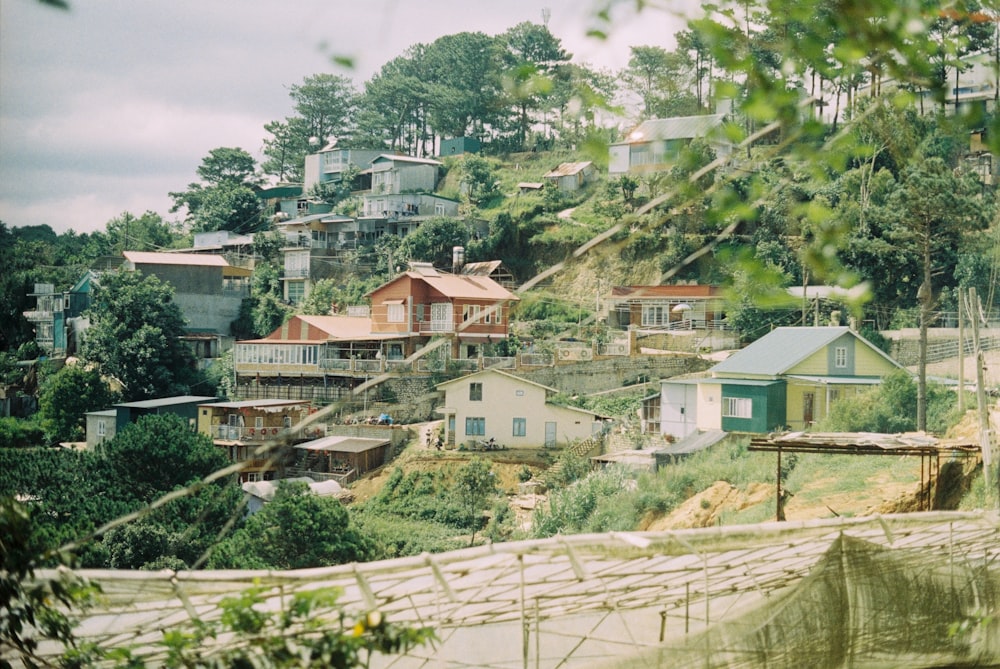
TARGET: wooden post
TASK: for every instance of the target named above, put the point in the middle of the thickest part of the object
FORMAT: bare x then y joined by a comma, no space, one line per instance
961,351
779,507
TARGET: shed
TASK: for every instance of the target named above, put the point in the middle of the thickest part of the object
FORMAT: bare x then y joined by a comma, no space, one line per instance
345,457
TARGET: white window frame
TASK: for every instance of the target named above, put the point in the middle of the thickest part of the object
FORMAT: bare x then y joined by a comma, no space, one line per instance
475,392
102,428
737,407
520,427
840,357
395,313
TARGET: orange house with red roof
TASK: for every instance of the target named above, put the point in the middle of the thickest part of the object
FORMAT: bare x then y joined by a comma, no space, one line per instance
325,357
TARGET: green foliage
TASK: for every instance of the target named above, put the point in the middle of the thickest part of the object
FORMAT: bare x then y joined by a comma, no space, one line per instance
392,535
475,487
433,241
571,468
479,178
320,300
308,630
539,306
581,507
226,199
67,396
182,456
892,407
18,433
34,612
296,530
134,336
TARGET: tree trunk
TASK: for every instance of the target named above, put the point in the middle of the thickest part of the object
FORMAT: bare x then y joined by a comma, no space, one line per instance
926,297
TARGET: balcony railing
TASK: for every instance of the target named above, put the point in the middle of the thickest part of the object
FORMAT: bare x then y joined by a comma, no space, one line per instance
237,433
436,326
300,273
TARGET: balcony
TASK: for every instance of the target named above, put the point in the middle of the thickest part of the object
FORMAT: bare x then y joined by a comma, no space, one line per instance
435,326
236,433
299,273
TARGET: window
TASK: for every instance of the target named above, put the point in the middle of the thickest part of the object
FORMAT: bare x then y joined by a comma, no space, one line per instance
737,407
475,426
396,313
475,392
840,357
296,291
102,428
439,209
655,314
520,427
470,312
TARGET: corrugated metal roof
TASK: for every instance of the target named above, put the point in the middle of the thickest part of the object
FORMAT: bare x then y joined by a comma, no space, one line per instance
779,350
406,159
342,444
567,169
168,401
251,404
151,258
679,127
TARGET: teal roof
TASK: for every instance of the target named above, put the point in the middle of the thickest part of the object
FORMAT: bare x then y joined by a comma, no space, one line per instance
780,350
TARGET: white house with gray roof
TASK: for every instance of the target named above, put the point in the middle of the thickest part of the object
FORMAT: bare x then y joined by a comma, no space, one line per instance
656,144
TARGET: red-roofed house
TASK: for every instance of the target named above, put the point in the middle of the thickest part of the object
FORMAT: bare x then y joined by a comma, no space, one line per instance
424,302
324,357
666,307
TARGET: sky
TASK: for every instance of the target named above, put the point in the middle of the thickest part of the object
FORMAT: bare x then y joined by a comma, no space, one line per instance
109,106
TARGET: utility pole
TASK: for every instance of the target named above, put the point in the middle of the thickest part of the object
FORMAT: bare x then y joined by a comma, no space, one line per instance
985,443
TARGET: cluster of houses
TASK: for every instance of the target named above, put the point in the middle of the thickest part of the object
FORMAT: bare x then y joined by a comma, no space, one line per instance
788,379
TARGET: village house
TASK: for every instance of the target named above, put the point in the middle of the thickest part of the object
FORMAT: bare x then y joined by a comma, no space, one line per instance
424,302
656,145
790,378
512,410
105,424
58,315
242,428
671,307
324,358
570,177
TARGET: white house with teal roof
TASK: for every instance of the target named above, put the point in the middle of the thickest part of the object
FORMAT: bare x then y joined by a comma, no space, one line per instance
790,378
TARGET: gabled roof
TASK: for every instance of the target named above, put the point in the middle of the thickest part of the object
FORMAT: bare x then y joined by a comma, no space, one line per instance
783,348
454,286
149,258
481,268
679,127
498,372
567,169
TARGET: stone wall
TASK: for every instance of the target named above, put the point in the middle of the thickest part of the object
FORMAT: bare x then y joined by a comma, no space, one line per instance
597,375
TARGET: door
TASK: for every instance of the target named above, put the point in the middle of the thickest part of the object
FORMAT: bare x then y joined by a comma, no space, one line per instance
808,406
679,409
550,434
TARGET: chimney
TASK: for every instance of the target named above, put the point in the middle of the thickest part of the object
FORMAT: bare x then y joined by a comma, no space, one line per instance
457,258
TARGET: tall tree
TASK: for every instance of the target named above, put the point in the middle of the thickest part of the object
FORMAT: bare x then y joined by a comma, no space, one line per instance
134,336
531,56
67,396
226,198
937,206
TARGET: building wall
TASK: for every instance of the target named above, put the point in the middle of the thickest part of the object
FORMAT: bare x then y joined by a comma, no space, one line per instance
198,279
503,400
709,406
824,399
110,429
768,410
209,312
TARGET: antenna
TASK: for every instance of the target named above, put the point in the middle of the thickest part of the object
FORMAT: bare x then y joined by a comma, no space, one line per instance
546,14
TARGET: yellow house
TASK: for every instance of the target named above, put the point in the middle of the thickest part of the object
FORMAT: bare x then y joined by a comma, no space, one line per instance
513,411
790,378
